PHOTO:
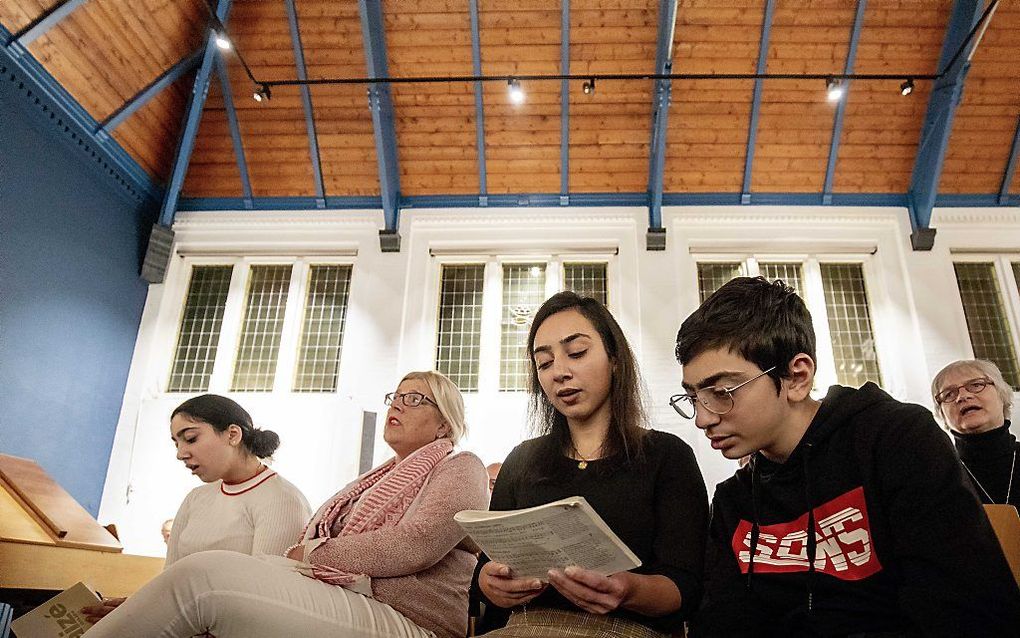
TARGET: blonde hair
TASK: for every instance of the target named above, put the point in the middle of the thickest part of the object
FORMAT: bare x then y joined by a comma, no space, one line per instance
449,399
984,368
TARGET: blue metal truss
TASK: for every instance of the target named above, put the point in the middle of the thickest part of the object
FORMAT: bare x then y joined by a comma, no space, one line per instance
192,118
143,97
624,200
938,123
1014,157
661,98
306,99
74,124
476,66
19,42
752,126
565,104
235,131
381,105
837,124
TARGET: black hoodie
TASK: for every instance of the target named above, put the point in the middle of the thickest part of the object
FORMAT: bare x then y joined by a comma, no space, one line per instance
901,545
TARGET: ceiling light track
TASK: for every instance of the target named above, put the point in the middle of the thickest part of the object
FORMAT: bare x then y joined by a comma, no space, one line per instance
835,83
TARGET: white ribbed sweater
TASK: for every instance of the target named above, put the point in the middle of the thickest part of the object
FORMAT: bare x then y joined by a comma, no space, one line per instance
263,515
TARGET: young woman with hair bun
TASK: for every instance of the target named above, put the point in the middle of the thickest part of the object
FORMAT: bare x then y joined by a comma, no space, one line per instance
243,505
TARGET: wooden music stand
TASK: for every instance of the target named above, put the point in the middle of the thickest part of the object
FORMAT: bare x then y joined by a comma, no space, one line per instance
1006,522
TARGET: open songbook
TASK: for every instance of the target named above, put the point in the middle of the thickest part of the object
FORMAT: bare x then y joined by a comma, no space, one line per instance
555,535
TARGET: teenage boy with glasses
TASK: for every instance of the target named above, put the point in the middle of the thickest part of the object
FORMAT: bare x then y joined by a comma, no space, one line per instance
900,546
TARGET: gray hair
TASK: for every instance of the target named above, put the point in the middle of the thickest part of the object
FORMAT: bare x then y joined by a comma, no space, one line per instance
448,398
983,368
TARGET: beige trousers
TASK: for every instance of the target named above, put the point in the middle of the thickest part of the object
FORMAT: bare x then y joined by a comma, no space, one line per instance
232,595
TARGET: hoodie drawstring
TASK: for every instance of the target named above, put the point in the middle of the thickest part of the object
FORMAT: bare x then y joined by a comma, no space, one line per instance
812,548
755,524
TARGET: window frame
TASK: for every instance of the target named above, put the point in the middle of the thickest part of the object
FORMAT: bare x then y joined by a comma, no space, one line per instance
233,313
492,299
814,298
1003,265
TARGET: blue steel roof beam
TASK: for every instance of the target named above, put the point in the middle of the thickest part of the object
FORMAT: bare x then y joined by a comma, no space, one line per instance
381,104
235,131
192,118
938,123
1014,158
476,64
19,43
306,99
143,97
661,98
77,126
565,104
837,124
752,127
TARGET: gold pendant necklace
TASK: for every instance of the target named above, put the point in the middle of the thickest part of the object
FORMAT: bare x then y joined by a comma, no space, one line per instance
583,462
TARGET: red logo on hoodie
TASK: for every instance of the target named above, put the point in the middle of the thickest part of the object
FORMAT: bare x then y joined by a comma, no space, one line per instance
844,547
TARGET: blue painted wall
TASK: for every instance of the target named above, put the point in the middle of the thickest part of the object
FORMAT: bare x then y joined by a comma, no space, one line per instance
70,299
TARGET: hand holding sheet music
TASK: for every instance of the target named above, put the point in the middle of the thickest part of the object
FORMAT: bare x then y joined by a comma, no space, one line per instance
555,535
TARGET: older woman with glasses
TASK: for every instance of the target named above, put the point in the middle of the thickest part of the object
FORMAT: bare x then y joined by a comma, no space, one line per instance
973,399
383,557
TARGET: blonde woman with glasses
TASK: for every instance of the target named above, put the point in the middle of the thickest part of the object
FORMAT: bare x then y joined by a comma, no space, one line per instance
974,400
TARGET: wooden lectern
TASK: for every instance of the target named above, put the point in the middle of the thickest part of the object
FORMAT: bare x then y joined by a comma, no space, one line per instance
49,542
1006,522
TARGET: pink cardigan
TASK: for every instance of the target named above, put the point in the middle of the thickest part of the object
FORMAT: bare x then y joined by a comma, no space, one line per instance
417,567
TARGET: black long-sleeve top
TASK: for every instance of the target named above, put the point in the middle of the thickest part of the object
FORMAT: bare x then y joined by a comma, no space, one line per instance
991,460
658,507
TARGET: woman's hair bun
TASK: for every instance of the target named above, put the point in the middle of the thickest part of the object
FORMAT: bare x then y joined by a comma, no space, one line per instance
263,443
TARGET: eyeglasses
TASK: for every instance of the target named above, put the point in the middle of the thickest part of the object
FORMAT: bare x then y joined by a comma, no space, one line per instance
974,386
715,399
409,399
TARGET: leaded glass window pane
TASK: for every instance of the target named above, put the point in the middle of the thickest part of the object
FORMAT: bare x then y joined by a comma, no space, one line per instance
850,327
460,324
788,272
711,277
587,280
523,293
986,317
259,346
199,334
322,330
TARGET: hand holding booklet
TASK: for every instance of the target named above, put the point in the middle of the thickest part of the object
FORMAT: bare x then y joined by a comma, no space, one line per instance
58,617
552,536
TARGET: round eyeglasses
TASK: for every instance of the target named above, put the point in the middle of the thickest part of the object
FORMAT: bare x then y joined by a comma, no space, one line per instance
409,399
715,399
974,386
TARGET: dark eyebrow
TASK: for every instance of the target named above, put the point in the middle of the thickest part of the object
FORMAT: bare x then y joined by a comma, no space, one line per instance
180,433
713,380
564,341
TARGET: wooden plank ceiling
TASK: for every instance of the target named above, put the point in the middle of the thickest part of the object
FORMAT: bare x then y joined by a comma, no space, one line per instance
106,51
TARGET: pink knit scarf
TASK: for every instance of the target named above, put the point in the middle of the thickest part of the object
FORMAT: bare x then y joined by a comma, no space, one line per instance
380,499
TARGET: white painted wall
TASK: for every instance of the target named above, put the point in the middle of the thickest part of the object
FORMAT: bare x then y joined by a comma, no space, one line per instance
390,329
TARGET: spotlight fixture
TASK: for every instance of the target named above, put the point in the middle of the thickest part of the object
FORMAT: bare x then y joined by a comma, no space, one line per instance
834,89
222,41
262,93
516,92
589,86
907,87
